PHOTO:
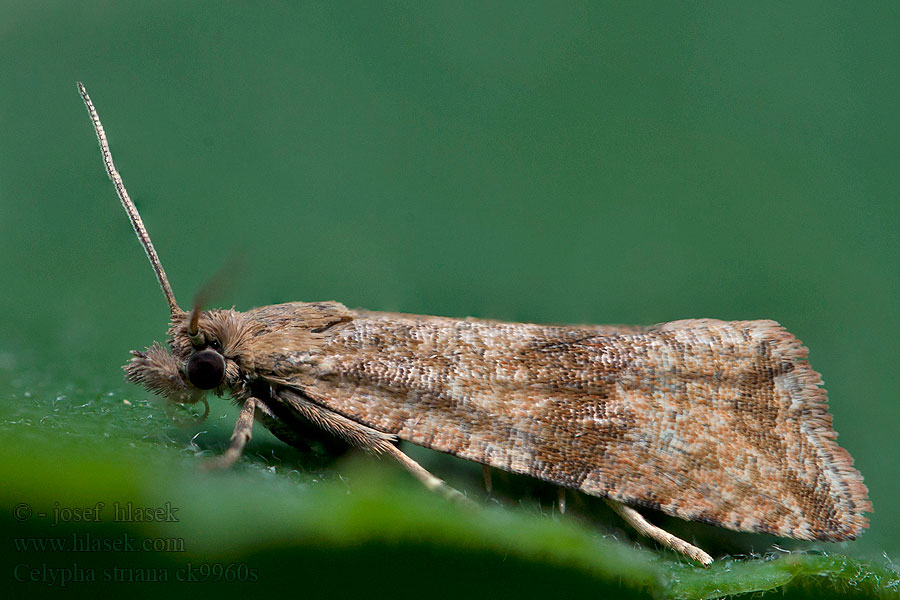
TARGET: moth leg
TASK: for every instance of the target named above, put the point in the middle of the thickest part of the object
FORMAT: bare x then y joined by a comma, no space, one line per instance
644,527
242,432
433,483
369,439
561,499
486,473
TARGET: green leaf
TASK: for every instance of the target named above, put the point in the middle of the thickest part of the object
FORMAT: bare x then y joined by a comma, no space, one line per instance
287,518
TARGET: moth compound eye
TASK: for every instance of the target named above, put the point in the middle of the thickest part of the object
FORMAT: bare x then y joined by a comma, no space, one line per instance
206,369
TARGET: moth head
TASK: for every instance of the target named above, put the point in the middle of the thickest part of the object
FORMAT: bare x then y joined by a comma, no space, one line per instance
205,352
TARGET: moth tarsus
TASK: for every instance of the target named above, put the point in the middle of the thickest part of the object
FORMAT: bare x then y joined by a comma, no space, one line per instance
486,475
717,421
644,527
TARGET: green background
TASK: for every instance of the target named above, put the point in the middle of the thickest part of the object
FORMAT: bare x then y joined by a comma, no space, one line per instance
593,163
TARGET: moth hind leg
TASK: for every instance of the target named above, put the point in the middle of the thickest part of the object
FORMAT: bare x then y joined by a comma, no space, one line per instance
430,481
644,527
369,439
486,474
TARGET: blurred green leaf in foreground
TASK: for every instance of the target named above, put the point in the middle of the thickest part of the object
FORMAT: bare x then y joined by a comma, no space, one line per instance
286,521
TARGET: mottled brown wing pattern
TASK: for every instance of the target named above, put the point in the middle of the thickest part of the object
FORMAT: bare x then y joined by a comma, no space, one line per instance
722,422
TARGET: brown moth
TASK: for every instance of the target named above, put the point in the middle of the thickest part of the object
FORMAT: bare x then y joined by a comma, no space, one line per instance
706,420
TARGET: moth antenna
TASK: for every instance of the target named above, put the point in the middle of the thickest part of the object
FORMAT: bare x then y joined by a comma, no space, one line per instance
129,206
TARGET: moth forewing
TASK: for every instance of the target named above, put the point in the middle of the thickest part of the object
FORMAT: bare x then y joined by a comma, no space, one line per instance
720,422
706,420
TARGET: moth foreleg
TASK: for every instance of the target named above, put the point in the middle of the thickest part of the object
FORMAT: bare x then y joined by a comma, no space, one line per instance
644,527
243,430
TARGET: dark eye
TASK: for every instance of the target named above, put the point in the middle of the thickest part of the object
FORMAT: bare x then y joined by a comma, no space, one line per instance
206,369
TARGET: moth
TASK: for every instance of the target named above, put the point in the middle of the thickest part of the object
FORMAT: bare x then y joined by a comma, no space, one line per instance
713,421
